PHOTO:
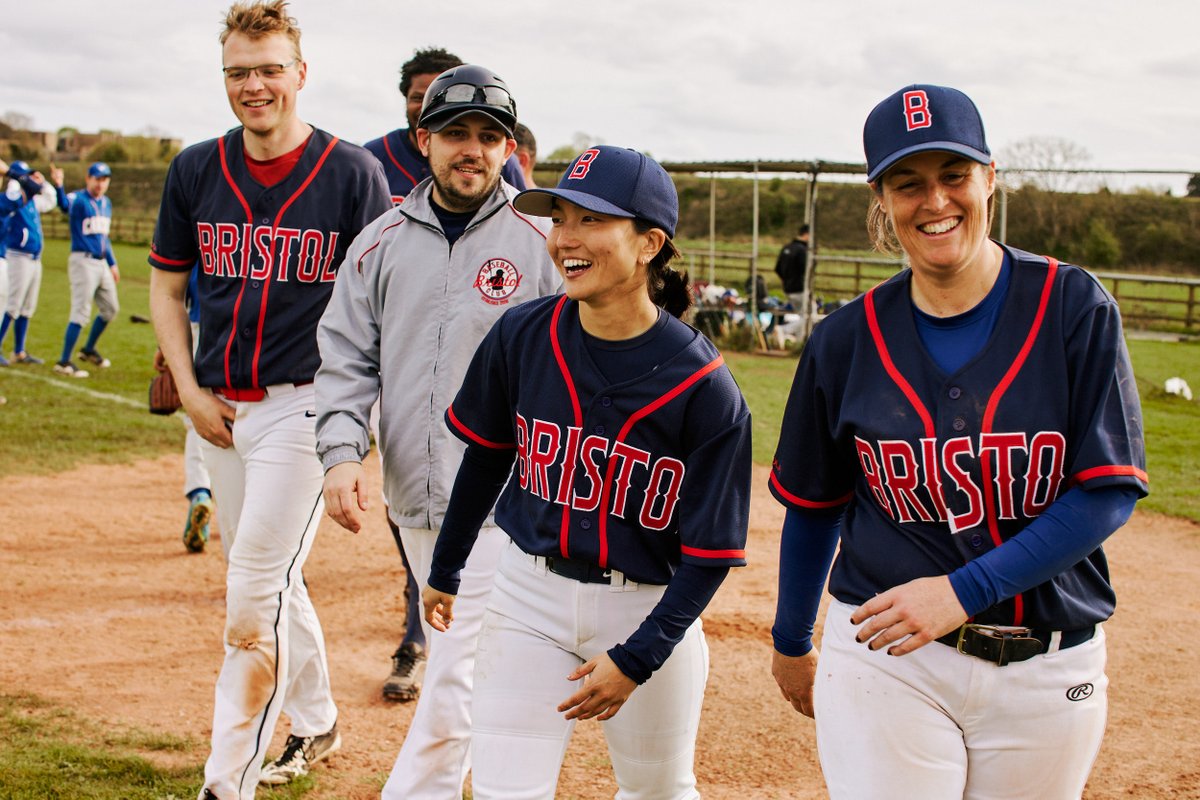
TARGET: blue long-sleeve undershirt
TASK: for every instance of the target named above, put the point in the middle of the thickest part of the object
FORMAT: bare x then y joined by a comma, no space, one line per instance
1065,533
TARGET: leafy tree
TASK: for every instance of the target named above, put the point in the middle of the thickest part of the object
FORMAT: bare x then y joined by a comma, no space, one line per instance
112,152
1193,189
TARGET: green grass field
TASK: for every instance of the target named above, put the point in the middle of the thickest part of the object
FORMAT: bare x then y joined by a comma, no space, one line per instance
52,423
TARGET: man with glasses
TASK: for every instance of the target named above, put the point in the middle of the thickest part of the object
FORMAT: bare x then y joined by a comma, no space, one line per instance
268,210
445,265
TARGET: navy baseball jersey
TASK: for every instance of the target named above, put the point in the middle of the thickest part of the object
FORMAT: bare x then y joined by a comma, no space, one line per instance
634,477
405,167
268,256
938,469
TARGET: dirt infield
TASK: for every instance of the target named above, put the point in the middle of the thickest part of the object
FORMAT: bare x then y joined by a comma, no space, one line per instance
105,613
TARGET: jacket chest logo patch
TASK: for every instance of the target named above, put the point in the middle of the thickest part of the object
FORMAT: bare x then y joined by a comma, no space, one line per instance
497,281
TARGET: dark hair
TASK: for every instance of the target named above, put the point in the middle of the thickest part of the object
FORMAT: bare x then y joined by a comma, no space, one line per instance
804,229
430,61
668,287
525,139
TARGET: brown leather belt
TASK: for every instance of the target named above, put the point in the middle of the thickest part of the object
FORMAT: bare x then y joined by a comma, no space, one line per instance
1004,645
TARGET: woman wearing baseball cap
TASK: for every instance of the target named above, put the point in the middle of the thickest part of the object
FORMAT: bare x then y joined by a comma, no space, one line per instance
970,431
628,505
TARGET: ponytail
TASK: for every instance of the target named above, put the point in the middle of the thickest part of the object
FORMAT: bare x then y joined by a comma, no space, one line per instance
668,287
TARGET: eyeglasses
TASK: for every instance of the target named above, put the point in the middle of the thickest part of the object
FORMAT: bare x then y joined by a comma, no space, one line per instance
494,96
265,71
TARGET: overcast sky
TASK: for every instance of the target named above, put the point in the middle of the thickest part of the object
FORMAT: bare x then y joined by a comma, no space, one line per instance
700,80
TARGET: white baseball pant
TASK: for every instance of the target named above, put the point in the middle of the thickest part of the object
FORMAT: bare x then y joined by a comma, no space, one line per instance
3,284
24,284
91,278
937,724
539,627
268,493
436,753
195,471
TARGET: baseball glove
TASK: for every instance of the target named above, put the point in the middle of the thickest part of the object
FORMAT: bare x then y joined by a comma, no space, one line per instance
164,397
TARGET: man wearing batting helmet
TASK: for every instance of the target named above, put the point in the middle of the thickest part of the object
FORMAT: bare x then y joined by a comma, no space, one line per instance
417,294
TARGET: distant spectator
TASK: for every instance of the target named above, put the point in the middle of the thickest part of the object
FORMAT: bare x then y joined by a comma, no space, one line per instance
792,268
526,152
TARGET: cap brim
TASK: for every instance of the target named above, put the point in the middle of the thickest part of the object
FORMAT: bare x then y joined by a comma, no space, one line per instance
924,147
540,202
439,121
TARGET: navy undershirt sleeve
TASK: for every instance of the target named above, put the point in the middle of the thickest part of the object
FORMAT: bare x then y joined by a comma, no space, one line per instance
686,596
1064,534
481,478
806,550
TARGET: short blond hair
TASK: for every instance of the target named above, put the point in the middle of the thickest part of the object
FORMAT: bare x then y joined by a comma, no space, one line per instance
260,19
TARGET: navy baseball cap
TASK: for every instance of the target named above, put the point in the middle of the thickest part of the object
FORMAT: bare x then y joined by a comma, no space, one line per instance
920,118
614,181
99,170
19,169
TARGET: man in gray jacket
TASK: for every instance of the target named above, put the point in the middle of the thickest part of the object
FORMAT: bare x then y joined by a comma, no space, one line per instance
418,290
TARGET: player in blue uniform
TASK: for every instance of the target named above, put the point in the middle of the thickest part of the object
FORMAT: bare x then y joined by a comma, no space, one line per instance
8,207
403,163
91,267
268,210
33,196
628,505
971,429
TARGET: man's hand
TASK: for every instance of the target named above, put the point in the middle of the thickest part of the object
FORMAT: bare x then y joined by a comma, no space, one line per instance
795,675
346,494
211,416
56,175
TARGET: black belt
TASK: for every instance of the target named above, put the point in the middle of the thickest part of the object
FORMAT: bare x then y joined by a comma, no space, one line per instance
1004,645
578,570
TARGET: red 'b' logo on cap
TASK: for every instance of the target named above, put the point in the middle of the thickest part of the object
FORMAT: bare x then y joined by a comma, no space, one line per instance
916,110
583,164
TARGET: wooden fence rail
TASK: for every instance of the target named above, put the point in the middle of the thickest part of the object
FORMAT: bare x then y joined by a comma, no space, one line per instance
1150,302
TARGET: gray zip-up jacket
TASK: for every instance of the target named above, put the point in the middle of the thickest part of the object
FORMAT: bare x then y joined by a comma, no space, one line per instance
407,314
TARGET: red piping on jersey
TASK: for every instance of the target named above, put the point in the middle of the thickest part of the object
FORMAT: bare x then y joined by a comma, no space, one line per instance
526,220
407,174
566,373
800,501
989,417
1105,472
378,242
262,306
634,418
174,262
890,366
701,553
474,437
237,305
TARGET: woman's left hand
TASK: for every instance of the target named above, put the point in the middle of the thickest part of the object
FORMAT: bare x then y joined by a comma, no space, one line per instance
913,614
605,689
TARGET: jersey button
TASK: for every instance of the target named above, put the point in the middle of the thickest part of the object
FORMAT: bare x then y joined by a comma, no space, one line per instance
266,221
598,430
253,284
977,541
586,524
955,393
958,424
606,401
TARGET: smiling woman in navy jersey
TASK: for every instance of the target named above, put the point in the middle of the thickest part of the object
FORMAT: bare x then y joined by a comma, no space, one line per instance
627,507
971,431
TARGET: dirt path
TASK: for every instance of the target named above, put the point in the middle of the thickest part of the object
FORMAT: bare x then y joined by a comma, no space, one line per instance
104,612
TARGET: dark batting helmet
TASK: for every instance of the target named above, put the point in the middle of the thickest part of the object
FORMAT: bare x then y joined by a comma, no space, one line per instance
464,90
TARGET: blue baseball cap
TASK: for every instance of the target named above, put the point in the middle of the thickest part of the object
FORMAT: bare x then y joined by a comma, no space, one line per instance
99,170
19,169
615,181
920,118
